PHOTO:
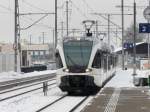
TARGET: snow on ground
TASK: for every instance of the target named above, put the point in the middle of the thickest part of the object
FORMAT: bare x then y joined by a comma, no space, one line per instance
121,79
143,73
5,76
33,101
124,78
30,102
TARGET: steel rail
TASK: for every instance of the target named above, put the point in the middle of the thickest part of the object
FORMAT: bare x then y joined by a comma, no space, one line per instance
24,81
26,86
74,108
3,99
51,103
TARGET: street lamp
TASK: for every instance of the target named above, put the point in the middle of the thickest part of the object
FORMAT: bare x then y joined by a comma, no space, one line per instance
134,48
122,12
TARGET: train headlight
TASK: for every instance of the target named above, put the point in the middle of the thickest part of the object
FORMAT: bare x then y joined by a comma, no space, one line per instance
66,70
88,70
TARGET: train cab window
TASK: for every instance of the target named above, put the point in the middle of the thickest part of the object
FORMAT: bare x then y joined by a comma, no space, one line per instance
97,61
109,62
58,60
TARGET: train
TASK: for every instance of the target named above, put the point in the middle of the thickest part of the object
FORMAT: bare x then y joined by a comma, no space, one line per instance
84,63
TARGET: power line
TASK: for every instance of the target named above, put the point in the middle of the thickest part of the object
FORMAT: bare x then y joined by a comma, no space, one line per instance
62,6
33,6
35,13
78,9
105,18
35,22
25,17
87,5
101,15
6,8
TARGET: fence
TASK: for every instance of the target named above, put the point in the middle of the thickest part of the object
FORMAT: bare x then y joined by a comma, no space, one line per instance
6,62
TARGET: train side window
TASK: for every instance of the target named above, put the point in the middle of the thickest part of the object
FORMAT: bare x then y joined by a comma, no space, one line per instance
105,63
97,61
59,63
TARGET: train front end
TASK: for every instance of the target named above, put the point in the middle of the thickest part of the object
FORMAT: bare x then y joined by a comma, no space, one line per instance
75,76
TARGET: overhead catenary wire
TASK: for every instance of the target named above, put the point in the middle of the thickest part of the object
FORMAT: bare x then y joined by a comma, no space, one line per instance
33,6
100,15
6,8
105,18
79,10
35,22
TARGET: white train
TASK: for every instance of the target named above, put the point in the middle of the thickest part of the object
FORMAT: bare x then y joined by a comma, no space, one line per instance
85,64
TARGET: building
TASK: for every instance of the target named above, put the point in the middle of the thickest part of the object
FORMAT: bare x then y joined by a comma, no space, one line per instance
35,54
6,57
6,48
141,53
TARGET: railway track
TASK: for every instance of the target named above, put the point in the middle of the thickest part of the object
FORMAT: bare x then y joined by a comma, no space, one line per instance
24,87
24,81
80,103
73,108
41,109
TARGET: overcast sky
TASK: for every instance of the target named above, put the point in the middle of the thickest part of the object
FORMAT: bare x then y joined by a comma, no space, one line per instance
79,11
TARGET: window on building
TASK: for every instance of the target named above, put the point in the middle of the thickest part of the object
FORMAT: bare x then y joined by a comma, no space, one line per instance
31,53
41,53
36,53
47,52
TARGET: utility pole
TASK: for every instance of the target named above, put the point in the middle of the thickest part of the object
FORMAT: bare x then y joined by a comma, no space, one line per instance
96,29
16,36
39,40
30,39
116,35
122,12
148,42
114,24
43,34
53,32
134,65
62,29
67,22
109,29
55,23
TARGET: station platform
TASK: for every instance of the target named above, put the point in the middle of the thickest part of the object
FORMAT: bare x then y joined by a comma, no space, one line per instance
122,99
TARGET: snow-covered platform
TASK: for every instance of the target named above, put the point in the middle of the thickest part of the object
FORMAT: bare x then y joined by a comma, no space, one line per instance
121,100
120,95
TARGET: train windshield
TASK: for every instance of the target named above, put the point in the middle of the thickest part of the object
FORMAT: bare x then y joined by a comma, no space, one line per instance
77,53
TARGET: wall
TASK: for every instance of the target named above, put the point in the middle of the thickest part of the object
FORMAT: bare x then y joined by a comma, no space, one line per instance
6,62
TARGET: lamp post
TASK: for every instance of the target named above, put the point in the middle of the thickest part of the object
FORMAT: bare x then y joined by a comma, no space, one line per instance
134,48
122,15
56,23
